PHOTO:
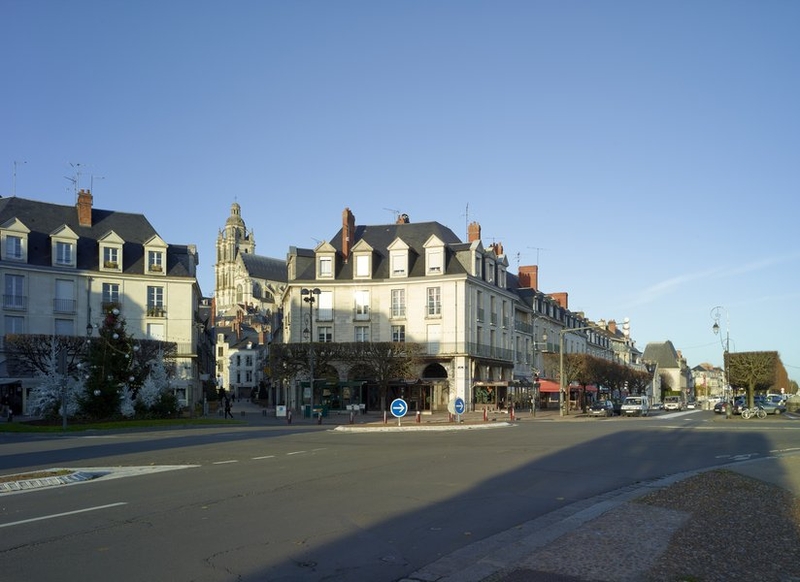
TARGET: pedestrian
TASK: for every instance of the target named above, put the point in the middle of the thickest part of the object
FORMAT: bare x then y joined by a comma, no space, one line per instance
228,408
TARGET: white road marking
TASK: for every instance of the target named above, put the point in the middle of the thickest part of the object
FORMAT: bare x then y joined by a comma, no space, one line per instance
225,462
63,514
264,457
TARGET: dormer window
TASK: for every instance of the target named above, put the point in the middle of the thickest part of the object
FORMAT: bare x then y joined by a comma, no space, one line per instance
13,248
325,265
63,242
398,258
111,257
489,271
64,253
155,261
363,266
14,240
435,261
155,252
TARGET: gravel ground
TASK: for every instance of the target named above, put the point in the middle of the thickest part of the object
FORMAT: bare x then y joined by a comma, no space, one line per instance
739,528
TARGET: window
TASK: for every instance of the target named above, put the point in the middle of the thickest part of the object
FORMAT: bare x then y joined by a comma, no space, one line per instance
399,260
362,304
478,266
325,306
435,259
490,271
111,293
64,301
64,327
14,324
248,360
63,253
111,257
362,266
434,301
155,261
324,334
398,302
14,248
361,333
14,294
155,301
398,333
326,267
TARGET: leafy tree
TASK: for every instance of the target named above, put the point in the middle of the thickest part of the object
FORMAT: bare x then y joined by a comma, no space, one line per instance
752,371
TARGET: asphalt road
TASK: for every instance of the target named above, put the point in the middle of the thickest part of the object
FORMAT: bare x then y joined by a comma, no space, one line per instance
310,503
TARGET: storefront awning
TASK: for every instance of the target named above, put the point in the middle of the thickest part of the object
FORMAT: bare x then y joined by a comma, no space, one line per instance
552,386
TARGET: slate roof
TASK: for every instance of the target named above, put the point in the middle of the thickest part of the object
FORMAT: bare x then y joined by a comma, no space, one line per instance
415,235
262,267
662,353
42,218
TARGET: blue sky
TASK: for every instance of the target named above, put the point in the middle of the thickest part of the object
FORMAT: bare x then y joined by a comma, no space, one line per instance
644,153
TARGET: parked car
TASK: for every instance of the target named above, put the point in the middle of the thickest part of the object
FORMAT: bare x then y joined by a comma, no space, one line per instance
691,405
636,406
602,408
769,406
721,407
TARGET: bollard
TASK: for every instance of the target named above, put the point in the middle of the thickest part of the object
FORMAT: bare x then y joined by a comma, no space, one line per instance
289,417
419,416
511,413
485,418
352,420
384,417
319,417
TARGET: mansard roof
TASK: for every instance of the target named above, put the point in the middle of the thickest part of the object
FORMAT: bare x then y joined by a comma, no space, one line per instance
662,353
43,218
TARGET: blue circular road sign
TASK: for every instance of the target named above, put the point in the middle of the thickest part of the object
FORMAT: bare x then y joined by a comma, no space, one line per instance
460,406
398,407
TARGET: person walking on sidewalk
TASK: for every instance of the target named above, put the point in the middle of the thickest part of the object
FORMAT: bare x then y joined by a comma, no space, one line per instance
228,407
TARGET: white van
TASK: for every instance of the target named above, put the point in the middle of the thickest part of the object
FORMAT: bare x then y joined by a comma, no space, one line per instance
673,403
636,406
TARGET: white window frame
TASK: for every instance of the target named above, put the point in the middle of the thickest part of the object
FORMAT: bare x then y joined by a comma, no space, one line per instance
155,261
399,333
399,263
361,304
14,291
398,303
433,303
325,267
363,266
361,333
64,252
434,260
14,247
111,293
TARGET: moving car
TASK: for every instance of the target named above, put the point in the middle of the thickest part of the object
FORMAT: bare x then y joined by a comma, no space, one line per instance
636,406
602,408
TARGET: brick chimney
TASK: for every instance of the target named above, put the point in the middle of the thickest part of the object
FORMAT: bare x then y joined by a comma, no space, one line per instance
348,232
473,232
84,208
561,298
529,277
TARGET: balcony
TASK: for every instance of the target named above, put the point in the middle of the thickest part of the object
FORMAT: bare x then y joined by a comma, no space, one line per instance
15,302
156,311
64,306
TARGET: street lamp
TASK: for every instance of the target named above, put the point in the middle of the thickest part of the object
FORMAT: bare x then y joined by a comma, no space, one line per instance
716,313
310,296
537,371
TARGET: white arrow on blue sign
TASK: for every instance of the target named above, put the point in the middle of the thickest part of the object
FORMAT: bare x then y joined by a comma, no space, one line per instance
398,407
460,406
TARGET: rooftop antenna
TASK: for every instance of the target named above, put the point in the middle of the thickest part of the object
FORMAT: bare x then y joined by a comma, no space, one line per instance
91,181
395,211
14,178
466,219
537,249
76,179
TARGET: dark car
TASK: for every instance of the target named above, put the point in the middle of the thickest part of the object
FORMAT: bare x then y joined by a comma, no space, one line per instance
602,408
721,407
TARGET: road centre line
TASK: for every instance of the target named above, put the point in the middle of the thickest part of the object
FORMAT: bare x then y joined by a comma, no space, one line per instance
261,458
62,514
225,462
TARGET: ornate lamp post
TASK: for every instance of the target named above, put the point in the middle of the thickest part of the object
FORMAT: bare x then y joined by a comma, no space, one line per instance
310,296
716,313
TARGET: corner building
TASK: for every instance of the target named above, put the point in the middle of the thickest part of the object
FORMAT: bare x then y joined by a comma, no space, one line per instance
407,282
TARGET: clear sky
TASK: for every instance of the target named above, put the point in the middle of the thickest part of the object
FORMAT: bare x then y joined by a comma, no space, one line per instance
645,154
